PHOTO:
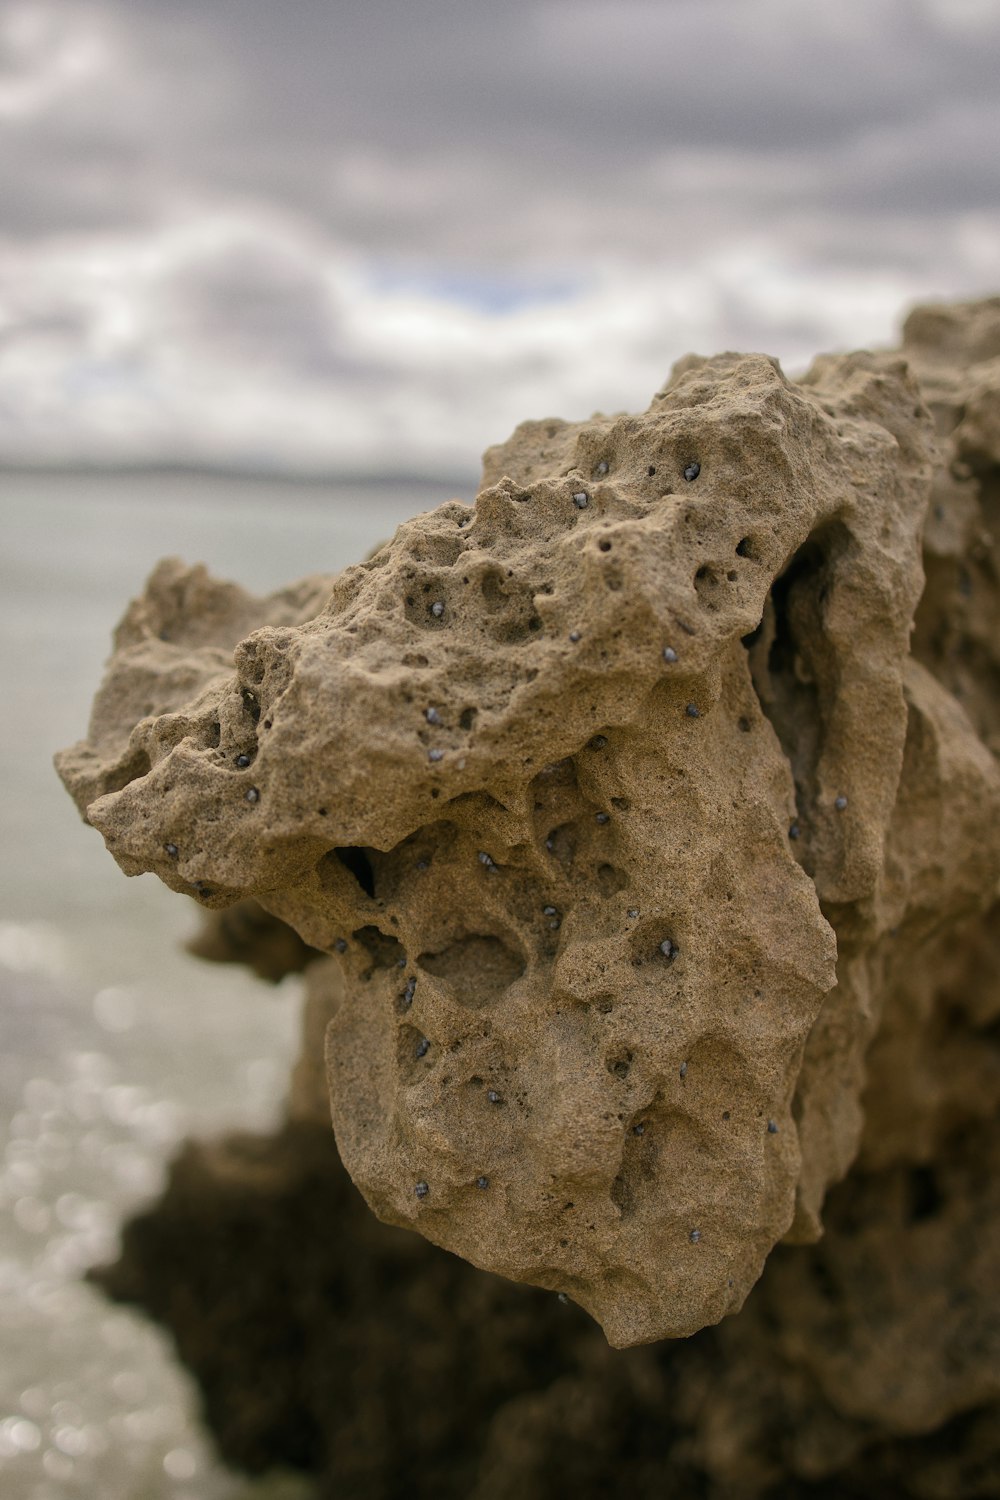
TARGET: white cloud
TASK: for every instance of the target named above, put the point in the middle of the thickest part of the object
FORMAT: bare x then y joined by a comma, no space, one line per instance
142,346
44,61
969,17
376,238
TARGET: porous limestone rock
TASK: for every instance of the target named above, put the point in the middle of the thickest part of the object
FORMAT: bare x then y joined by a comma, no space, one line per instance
578,786
865,1365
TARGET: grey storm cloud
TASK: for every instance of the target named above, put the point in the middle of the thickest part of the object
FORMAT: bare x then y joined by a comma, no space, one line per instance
601,74
253,96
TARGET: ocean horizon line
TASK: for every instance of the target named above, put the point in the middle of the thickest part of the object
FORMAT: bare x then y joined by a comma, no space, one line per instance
461,483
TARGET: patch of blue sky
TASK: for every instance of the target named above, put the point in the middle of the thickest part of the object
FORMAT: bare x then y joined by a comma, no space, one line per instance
99,377
487,290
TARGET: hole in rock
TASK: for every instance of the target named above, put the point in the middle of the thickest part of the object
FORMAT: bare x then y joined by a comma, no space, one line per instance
561,843
356,861
655,940
791,658
478,967
250,705
708,585
413,1051
661,1146
610,881
426,604
136,766
491,588
924,1193
382,948
512,629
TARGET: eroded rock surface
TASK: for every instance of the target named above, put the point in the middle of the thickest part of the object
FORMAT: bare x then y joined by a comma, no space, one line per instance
624,807
864,1365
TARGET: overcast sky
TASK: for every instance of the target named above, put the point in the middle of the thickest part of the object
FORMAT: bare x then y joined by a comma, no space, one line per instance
329,235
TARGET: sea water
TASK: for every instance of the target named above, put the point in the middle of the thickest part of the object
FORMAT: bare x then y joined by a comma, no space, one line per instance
115,1045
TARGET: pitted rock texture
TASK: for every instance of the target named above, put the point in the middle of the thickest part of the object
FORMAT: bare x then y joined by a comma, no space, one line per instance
865,1365
617,797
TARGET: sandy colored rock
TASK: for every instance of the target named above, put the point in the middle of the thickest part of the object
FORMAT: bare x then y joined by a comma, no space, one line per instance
621,803
172,648
865,1365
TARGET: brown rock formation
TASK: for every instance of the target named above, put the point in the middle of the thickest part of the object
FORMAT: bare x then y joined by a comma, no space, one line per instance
865,1365
641,836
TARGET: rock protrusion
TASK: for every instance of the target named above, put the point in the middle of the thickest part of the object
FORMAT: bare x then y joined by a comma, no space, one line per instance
617,797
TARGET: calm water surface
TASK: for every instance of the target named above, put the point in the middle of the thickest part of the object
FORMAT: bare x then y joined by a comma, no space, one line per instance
113,1044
